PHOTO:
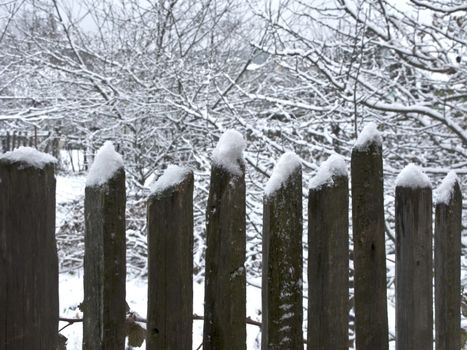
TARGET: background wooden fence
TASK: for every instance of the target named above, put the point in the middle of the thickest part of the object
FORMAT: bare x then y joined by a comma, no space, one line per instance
29,269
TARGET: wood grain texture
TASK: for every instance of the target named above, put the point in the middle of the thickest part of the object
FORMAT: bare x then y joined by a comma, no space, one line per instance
414,269
225,282
170,268
282,294
328,266
28,258
448,229
105,265
371,317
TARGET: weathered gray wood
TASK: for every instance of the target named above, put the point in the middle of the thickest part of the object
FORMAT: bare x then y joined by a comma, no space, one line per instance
371,317
105,265
28,258
282,309
328,266
170,267
225,282
448,228
8,142
414,269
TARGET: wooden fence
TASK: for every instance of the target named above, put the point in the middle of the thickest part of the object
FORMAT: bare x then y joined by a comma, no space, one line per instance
29,269
49,142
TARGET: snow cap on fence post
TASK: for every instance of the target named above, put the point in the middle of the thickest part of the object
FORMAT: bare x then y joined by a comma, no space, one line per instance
284,168
228,153
28,156
445,190
106,163
334,166
172,176
412,176
368,136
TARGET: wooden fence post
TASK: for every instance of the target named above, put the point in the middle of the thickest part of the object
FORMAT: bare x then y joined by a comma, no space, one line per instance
170,266
282,295
371,317
8,142
328,261
105,253
13,141
448,228
414,263
225,282
28,253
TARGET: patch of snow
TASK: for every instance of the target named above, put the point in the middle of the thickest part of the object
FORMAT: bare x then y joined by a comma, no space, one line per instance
284,168
28,156
412,176
368,136
443,193
254,66
106,163
228,153
69,189
334,166
172,176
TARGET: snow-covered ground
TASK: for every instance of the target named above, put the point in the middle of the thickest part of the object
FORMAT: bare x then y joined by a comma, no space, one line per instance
71,295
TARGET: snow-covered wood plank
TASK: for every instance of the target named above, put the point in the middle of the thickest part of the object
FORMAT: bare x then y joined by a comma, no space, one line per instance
29,305
282,285
371,316
225,276
448,229
328,257
104,306
170,261
414,263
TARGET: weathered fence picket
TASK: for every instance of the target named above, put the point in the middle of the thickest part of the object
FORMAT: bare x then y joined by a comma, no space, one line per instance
170,261
282,257
28,252
369,255
105,253
448,228
414,266
328,259
225,275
